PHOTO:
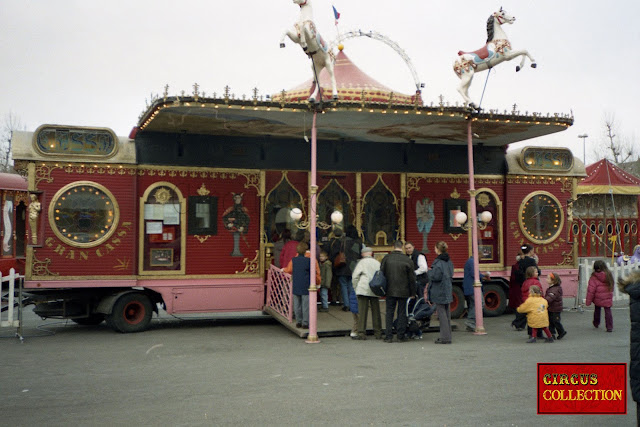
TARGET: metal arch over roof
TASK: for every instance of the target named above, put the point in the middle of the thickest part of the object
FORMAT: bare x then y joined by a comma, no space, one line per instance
603,177
374,35
346,120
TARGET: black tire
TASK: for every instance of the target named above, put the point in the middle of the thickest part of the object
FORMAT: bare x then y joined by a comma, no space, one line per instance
131,313
495,300
91,320
458,304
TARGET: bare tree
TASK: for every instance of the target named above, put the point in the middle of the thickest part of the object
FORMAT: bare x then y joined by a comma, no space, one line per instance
618,149
10,123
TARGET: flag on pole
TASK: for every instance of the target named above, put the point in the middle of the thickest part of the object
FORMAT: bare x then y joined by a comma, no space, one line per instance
336,14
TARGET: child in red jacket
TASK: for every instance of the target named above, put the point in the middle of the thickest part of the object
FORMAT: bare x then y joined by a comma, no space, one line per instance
600,292
554,298
531,275
532,280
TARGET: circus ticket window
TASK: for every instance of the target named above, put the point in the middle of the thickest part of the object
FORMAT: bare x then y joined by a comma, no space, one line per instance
162,230
83,214
541,218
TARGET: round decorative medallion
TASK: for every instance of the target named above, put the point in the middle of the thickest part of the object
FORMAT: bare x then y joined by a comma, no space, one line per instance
162,195
83,214
541,217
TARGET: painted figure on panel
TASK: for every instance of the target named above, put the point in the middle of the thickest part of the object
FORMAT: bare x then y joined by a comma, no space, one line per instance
425,218
236,220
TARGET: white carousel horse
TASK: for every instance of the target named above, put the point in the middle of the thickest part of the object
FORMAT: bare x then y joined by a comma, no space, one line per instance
497,50
304,33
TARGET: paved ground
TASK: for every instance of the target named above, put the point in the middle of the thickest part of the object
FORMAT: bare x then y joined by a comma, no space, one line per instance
256,372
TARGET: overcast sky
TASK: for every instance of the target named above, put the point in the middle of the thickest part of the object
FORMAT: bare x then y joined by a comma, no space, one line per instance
95,62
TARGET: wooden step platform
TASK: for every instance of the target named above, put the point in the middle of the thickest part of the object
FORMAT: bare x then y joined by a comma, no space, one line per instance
339,323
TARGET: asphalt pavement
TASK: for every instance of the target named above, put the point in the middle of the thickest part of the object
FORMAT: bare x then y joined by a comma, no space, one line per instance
250,370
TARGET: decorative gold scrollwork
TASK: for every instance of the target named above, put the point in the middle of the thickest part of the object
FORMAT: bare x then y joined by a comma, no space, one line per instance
202,239
567,259
413,183
251,267
253,180
41,268
43,172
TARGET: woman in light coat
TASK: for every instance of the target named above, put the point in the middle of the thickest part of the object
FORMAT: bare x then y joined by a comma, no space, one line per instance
361,276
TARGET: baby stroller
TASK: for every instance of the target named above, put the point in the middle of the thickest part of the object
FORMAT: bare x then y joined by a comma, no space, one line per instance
418,317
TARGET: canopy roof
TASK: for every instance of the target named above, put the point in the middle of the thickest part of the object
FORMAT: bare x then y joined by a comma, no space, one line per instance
604,177
352,84
346,120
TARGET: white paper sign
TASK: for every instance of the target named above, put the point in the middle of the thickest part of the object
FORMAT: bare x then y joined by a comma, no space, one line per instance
172,214
154,227
153,212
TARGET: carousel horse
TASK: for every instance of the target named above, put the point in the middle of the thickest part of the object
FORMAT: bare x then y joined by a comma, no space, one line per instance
304,33
497,50
634,258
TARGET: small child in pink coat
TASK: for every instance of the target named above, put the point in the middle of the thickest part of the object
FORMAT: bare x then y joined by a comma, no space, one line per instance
600,292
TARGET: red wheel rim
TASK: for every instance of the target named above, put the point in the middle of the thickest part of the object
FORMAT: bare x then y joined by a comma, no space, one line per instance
454,304
134,312
492,300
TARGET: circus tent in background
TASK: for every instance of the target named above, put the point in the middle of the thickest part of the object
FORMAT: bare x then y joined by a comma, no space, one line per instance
605,213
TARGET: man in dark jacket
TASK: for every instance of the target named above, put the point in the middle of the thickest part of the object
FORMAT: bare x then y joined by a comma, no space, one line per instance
350,245
526,260
401,285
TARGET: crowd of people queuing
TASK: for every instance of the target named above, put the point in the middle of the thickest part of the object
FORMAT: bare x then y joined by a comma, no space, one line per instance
344,267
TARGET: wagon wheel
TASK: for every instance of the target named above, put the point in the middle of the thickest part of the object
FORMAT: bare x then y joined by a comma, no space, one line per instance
131,313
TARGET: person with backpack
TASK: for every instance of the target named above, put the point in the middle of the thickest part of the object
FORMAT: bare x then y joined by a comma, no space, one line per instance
362,275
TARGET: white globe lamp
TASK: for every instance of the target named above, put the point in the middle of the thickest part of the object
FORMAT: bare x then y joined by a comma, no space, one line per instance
337,217
461,218
486,217
295,214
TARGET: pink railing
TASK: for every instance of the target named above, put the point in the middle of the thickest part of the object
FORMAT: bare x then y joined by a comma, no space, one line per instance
280,292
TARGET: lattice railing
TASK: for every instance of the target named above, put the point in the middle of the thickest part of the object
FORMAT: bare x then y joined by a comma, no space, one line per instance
280,292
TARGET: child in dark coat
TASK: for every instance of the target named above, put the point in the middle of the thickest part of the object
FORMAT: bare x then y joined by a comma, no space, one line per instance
554,298
326,274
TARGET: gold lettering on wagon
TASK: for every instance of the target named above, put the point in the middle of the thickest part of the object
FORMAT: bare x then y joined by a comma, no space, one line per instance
84,255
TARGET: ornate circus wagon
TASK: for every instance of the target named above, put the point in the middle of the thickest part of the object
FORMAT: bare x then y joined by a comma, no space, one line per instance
182,212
